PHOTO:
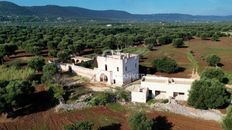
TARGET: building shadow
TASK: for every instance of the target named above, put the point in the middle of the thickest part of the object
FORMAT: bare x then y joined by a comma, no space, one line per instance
143,70
34,103
161,123
180,69
220,65
114,126
185,46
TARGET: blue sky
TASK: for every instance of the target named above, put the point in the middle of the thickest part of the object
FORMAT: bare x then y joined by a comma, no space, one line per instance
196,7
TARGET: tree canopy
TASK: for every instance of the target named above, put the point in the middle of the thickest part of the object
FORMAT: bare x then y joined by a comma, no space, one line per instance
178,42
227,121
165,64
36,63
139,121
208,93
12,94
214,73
49,70
213,60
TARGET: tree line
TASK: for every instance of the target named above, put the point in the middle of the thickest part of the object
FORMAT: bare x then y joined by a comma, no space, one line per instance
73,39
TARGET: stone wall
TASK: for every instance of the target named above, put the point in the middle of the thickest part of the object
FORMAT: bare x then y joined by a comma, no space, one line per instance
85,72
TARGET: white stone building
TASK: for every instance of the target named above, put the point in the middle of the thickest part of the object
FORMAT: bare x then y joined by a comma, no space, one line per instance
117,68
162,88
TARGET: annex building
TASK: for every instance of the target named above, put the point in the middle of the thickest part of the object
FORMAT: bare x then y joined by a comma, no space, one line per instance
162,88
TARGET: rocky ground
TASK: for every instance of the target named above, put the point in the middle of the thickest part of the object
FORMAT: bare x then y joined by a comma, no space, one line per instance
174,107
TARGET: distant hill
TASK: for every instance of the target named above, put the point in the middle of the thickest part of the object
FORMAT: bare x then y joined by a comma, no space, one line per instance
8,8
11,9
58,11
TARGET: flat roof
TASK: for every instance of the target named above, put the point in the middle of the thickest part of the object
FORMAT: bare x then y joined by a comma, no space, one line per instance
155,79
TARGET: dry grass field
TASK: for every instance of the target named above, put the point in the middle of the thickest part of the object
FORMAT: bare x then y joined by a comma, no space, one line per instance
200,48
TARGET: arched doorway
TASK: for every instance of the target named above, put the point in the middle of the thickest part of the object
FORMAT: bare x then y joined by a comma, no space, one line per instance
70,69
103,78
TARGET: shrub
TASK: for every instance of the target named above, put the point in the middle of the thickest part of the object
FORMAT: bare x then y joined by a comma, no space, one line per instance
122,95
164,101
49,70
57,90
36,63
101,99
213,60
12,73
151,101
139,121
215,37
227,121
208,93
178,43
83,125
165,64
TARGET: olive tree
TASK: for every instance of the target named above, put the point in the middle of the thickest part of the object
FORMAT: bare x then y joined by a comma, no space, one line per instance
165,64
214,73
56,90
49,70
63,55
12,93
215,37
139,121
150,42
213,60
208,93
36,63
178,43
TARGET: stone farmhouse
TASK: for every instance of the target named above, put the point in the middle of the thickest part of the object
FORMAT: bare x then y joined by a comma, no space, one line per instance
113,68
119,69
162,88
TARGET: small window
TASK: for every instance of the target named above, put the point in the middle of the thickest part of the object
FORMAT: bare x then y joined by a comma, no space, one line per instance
125,68
181,93
135,65
105,67
118,69
114,81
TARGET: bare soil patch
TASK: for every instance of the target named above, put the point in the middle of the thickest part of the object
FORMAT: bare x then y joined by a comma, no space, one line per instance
101,115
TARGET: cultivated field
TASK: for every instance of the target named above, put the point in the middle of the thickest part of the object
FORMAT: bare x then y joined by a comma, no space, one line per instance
103,116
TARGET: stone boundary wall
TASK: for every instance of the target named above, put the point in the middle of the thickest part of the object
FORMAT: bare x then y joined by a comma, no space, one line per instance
85,72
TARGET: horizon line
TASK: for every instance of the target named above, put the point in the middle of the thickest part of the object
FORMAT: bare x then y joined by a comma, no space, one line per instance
158,13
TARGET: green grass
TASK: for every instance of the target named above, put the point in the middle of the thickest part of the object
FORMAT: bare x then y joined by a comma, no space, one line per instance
193,61
12,73
42,126
151,101
116,107
136,50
